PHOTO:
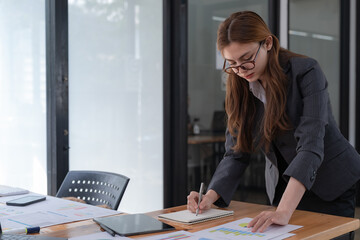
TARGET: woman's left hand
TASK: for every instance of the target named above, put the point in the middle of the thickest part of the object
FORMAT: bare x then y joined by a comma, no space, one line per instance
288,203
266,218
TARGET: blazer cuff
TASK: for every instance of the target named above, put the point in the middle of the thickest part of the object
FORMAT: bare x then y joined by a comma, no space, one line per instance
226,179
303,168
221,203
225,197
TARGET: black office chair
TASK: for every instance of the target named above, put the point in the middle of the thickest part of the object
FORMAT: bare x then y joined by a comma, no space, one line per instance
94,187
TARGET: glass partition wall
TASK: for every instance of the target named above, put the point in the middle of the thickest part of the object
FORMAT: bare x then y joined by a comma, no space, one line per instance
23,95
206,95
115,95
314,31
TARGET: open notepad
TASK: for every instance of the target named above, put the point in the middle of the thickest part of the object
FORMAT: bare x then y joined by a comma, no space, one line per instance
190,218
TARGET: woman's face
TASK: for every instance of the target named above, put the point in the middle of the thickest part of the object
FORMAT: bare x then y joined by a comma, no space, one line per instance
239,53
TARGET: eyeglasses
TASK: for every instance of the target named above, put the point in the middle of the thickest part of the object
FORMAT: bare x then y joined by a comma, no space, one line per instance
247,65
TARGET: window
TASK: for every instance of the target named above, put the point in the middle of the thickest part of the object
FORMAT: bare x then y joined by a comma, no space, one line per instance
115,95
23,95
206,94
314,31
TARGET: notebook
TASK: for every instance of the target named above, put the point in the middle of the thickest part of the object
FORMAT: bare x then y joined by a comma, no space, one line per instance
190,218
133,224
9,191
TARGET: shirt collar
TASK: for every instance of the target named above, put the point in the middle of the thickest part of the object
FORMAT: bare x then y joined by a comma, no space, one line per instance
258,91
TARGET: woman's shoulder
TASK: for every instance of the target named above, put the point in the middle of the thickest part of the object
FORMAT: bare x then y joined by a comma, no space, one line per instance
302,63
297,63
304,70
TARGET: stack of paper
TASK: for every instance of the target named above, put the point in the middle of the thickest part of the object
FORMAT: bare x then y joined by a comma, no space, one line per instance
10,191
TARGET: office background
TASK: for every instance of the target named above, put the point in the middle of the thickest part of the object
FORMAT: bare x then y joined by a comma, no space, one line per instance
113,85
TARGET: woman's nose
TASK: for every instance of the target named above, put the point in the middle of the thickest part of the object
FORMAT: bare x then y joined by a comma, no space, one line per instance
240,70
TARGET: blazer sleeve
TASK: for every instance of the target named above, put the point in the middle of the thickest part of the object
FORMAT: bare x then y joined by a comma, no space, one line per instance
310,131
227,175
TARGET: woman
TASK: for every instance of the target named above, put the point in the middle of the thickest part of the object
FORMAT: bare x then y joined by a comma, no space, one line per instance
278,101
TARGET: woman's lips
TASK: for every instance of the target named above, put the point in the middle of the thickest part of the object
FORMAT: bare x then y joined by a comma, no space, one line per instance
249,76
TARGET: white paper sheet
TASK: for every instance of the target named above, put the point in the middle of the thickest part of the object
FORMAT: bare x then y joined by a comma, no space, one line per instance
173,236
98,236
198,236
284,236
50,212
238,230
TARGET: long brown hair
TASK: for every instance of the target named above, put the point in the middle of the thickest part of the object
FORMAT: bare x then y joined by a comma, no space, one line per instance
246,27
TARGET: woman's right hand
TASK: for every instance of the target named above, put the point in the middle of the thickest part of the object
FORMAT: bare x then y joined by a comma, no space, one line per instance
207,200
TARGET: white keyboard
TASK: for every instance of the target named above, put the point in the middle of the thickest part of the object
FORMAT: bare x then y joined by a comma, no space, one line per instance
9,191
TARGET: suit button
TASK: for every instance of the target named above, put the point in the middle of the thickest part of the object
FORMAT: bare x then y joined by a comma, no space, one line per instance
312,178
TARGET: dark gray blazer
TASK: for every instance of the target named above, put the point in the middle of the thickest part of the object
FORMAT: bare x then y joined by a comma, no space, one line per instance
316,152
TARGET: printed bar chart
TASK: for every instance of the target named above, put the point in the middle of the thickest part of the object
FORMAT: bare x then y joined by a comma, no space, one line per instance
175,237
237,232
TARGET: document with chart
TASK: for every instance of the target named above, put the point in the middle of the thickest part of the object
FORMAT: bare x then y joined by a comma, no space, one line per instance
203,235
238,230
173,236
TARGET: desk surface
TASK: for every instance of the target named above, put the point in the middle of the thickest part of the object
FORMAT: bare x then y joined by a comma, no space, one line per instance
315,225
201,139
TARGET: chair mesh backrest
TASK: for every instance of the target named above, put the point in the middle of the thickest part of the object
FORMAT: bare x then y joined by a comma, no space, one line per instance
94,187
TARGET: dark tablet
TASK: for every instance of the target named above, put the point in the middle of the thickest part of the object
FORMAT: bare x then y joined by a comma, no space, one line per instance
133,224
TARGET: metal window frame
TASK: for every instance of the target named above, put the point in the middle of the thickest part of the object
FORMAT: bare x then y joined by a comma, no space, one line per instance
57,110
284,24
357,96
274,17
175,101
357,101
344,66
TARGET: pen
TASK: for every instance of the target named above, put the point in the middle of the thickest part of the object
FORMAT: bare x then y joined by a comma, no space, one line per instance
200,196
23,230
108,230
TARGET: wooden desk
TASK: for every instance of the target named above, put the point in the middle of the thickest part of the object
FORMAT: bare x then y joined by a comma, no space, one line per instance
315,225
217,142
201,139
